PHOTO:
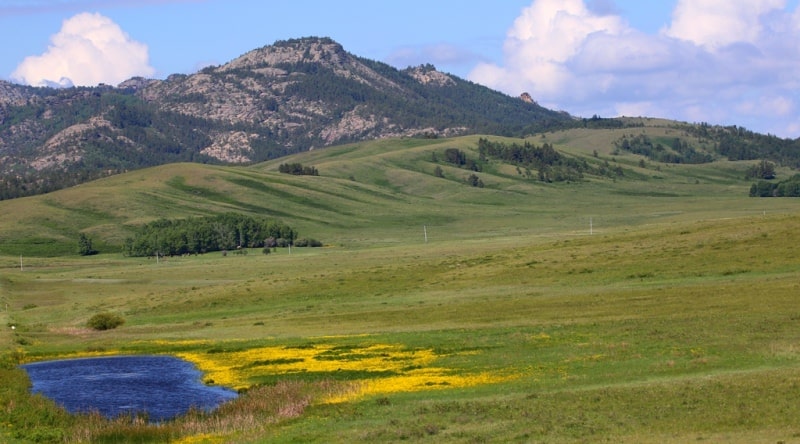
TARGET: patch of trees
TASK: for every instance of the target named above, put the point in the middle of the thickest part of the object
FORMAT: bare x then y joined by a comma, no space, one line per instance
762,170
85,247
597,122
307,242
550,164
675,151
786,188
165,237
459,158
737,143
297,169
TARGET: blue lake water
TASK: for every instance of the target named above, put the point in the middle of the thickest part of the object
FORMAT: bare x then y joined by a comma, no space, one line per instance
162,386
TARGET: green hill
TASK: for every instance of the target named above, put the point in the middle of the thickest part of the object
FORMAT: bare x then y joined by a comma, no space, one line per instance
389,191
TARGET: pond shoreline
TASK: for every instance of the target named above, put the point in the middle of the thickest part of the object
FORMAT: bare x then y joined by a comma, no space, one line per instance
159,387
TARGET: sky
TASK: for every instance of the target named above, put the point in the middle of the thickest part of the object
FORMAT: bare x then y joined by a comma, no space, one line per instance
726,62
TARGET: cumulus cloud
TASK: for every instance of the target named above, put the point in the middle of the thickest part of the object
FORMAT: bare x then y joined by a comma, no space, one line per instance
717,23
88,50
717,61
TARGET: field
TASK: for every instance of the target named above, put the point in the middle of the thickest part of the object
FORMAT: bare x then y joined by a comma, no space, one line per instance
656,308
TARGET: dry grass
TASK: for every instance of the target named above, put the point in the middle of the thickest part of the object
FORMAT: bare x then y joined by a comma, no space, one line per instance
249,415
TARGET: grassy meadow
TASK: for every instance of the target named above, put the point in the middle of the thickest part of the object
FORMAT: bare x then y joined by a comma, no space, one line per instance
657,307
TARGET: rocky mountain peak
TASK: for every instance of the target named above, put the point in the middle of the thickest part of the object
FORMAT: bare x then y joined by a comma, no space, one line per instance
305,50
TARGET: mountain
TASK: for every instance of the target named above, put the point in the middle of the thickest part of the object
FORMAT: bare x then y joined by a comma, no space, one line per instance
284,98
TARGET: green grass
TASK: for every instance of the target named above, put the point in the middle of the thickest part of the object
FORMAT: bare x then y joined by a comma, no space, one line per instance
676,331
676,320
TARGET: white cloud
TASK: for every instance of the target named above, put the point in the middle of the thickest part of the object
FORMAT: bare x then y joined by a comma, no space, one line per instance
88,50
716,23
717,61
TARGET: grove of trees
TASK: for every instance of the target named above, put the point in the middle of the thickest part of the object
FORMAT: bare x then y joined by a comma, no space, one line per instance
674,150
550,164
786,188
165,237
297,169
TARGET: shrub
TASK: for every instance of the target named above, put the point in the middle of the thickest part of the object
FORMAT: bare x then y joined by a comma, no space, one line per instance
474,181
307,243
105,321
85,245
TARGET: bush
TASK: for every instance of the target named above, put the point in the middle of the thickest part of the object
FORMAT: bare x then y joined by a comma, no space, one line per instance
85,245
307,243
105,321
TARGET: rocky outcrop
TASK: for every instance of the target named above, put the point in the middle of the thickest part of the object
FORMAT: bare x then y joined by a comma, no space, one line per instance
427,75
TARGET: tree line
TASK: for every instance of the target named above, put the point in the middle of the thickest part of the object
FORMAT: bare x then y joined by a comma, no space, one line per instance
738,143
298,169
197,235
676,150
785,188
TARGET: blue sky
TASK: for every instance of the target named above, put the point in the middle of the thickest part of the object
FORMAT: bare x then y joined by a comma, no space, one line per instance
717,61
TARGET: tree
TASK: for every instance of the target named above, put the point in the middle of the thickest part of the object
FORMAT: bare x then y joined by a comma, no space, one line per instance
474,181
298,169
763,170
105,321
85,245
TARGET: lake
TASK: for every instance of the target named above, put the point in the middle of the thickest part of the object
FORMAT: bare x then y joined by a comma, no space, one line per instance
162,386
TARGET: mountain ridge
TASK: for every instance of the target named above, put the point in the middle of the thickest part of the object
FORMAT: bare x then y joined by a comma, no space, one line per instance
279,99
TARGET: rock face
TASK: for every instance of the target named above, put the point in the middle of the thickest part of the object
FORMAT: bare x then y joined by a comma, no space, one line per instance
428,75
283,98
525,97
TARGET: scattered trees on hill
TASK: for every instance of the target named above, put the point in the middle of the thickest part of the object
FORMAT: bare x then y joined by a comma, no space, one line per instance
675,150
738,143
223,232
550,164
460,159
298,169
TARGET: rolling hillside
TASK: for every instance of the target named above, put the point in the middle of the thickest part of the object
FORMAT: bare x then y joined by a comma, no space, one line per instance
388,191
